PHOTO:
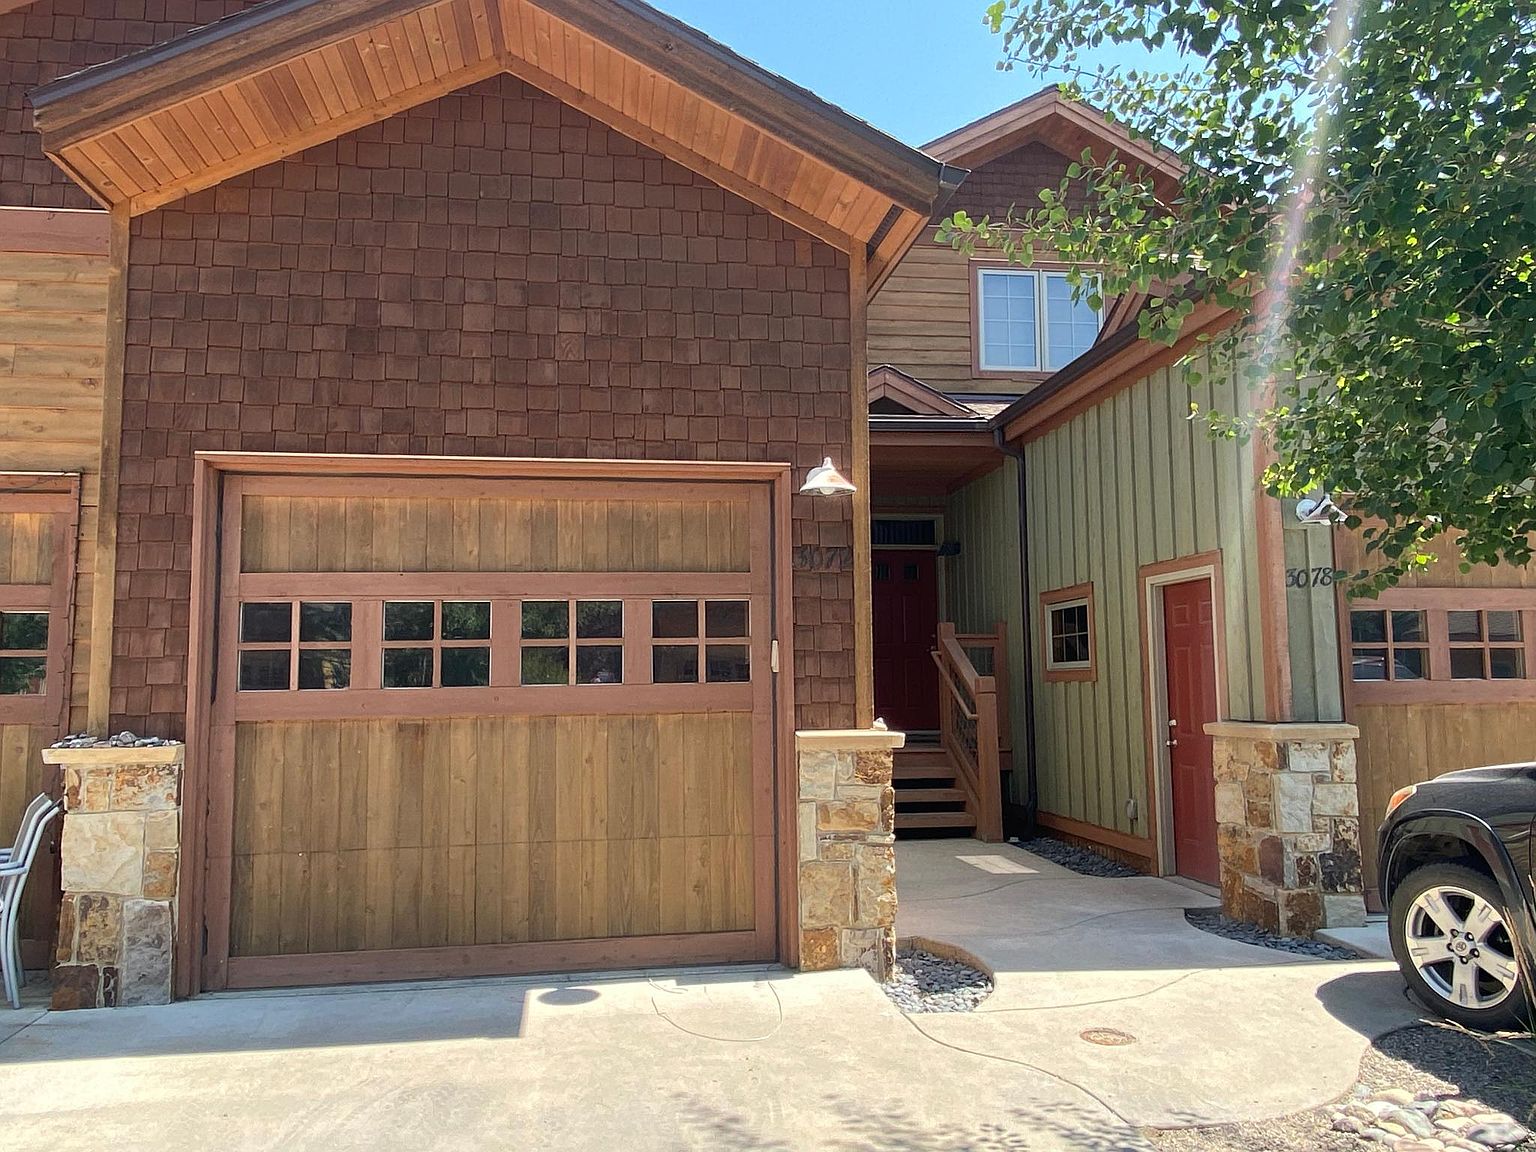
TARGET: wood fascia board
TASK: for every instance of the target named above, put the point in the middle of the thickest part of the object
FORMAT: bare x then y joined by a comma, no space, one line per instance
896,243
784,110
72,231
13,5
1120,369
90,102
210,56
965,139
890,438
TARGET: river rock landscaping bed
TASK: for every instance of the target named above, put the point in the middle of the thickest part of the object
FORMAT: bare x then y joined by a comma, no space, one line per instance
1211,920
924,982
1083,861
1427,1088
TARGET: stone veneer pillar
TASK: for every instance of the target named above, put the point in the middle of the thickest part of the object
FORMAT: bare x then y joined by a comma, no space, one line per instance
1288,825
847,850
120,851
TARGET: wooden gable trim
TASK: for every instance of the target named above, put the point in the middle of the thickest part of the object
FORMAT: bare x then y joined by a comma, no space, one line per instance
1045,117
266,83
887,383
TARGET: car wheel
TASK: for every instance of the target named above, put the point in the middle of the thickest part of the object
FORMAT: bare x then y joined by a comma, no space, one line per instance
1452,940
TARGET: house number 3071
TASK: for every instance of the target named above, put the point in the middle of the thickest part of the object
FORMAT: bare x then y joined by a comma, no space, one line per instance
1308,577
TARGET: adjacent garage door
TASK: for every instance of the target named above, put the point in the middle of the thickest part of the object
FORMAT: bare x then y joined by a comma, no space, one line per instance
483,726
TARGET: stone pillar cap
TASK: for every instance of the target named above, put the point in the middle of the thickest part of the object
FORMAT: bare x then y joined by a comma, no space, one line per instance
850,740
1310,731
149,754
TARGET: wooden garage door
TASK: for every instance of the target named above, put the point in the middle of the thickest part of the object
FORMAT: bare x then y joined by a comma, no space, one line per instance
489,726
37,523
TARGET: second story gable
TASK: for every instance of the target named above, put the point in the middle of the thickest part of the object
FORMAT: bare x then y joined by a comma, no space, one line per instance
976,325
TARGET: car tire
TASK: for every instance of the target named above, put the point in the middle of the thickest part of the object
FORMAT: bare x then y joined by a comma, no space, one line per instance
1478,981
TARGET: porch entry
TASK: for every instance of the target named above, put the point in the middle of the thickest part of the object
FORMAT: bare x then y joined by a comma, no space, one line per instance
1189,656
905,610
473,726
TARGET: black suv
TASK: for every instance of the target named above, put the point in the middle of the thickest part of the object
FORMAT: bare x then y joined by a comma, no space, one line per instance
1457,857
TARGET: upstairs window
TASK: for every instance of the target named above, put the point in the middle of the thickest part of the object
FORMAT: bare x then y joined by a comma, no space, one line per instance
1028,320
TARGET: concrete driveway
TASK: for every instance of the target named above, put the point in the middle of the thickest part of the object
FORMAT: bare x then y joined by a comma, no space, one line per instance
759,1059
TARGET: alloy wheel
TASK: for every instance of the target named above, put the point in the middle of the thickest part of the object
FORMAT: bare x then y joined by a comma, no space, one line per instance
1461,947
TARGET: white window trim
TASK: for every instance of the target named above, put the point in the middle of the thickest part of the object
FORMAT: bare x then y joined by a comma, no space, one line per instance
1043,361
1051,663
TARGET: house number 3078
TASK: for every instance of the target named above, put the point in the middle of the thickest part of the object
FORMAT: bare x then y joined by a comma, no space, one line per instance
1308,577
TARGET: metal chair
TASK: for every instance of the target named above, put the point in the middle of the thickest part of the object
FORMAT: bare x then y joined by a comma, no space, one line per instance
39,802
13,880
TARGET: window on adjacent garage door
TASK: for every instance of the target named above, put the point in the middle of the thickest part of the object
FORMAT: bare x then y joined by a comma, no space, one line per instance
1425,650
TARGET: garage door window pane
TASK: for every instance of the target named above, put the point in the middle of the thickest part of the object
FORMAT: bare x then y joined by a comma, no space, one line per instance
1408,628
1467,663
727,664
599,664
674,618
725,618
1506,664
599,620
1504,626
1465,627
1408,663
543,665
466,667
23,675
545,620
323,668
325,623
675,664
24,631
466,619
265,669
409,620
408,667
266,623
1370,664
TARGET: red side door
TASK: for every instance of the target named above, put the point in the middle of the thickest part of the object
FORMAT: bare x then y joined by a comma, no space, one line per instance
906,625
1189,646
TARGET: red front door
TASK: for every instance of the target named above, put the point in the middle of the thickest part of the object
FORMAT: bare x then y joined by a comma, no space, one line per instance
1189,647
906,625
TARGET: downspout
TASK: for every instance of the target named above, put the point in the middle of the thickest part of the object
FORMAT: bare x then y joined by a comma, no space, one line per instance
1031,774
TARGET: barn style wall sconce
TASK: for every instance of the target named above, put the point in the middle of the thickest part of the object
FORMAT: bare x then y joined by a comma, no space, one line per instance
826,480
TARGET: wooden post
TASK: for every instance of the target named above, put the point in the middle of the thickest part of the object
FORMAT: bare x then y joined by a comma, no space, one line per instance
98,708
863,578
989,815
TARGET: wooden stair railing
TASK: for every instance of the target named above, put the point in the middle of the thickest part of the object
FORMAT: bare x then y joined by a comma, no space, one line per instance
968,732
995,645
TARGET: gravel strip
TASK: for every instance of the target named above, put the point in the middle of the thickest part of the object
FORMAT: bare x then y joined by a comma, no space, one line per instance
924,982
1423,1063
1211,920
1083,861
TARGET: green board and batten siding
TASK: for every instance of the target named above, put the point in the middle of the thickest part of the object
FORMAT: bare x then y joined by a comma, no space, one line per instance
981,584
1135,481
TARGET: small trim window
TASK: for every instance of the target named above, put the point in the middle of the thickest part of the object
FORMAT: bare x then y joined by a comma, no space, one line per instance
1068,633
1028,321
23,653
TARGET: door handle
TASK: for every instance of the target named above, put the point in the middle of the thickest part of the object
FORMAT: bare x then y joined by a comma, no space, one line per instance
1170,743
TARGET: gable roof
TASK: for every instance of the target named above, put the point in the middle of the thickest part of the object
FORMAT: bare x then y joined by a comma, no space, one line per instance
888,383
1069,126
285,75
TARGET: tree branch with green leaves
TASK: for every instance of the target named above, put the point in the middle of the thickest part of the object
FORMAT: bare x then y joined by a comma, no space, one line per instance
1360,188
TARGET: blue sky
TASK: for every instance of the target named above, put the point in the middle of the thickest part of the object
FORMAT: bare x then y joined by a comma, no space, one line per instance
913,68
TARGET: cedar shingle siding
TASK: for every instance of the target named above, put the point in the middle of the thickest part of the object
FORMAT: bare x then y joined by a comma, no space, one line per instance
490,274
1011,179
52,38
